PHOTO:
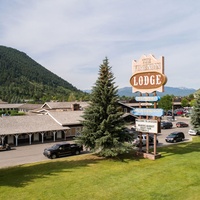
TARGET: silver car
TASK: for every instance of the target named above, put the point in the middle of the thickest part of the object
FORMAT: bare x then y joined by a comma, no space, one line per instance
193,132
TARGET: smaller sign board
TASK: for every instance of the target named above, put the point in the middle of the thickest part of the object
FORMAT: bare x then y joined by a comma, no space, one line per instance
154,112
149,126
146,104
148,98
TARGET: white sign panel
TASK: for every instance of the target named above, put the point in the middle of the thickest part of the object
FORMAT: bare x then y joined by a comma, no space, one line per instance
149,126
146,104
148,98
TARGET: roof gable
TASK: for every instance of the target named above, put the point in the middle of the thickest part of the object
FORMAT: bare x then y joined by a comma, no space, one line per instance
66,117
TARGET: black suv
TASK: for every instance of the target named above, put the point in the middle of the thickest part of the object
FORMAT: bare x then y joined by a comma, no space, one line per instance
166,125
175,137
62,149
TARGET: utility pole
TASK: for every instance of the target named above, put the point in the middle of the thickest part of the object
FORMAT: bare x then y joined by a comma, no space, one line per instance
172,109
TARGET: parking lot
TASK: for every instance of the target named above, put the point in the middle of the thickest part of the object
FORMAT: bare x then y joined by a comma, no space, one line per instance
23,154
165,132
34,153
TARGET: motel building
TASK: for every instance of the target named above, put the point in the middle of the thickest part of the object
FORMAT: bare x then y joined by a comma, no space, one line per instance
52,121
48,122
52,126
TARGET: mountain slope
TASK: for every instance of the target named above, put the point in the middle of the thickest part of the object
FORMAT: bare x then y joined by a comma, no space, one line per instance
22,78
127,91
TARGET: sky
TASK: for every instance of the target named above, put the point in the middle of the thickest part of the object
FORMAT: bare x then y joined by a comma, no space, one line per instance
71,38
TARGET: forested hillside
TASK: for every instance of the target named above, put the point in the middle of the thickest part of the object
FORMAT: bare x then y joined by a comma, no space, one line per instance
22,79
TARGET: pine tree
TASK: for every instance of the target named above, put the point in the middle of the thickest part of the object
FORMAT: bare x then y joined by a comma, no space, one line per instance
195,115
103,126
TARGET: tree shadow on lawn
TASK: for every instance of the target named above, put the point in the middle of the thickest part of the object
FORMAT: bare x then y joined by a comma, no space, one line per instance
20,176
179,148
128,157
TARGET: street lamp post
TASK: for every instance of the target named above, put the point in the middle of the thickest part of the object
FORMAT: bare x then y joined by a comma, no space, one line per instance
172,109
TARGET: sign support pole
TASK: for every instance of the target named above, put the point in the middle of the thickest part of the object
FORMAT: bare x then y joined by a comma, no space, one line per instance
147,134
155,135
140,145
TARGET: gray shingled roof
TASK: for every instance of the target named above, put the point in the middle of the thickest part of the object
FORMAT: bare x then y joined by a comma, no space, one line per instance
66,118
2,101
28,124
10,105
29,106
57,105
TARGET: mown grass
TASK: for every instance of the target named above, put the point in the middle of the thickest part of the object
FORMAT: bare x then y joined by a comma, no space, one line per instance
174,176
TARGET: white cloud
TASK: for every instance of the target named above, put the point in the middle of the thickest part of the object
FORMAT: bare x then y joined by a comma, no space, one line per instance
71,38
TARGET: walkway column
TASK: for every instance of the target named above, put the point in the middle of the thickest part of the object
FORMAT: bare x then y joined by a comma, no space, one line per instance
65,135
30,134
42,137
16,139
54,136
2,139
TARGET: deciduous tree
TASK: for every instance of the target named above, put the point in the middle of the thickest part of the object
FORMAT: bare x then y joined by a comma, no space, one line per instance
165,102
184,102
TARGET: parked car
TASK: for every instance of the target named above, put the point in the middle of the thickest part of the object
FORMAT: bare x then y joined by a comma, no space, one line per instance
166,125
175,137
5,147
193,132
187,114
136,142
62,149
170,118
169,113
181,124
179,112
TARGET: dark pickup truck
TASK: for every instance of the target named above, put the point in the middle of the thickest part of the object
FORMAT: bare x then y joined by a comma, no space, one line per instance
62,149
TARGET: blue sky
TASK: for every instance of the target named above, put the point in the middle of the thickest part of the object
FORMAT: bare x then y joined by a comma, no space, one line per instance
72,37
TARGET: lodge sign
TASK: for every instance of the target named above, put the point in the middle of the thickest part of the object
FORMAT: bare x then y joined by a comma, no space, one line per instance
148,74
150,80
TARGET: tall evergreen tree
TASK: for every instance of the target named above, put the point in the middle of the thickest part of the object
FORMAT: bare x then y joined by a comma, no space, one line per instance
103,126
195,115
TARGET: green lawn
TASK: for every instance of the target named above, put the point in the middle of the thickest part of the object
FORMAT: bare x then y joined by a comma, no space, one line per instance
174,176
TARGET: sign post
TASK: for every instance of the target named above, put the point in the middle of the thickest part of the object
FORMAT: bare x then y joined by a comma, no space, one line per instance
148,77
